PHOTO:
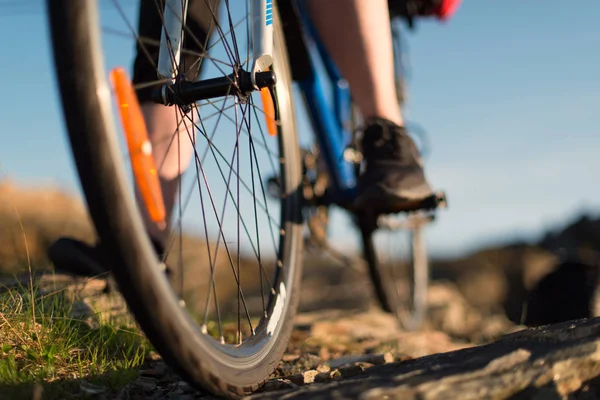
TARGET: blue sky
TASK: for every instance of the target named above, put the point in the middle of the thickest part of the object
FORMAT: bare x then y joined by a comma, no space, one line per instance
509,92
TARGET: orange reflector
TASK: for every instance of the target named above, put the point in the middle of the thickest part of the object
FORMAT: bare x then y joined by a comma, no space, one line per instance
269,109
140,148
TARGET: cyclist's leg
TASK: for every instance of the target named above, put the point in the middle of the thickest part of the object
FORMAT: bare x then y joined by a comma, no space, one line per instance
172,156
358,36
362,50
76,257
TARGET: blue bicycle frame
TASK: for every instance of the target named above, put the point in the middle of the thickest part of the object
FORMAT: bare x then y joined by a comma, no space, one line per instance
330,113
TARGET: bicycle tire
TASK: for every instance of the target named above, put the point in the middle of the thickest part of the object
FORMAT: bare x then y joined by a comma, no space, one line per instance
410,310
86,106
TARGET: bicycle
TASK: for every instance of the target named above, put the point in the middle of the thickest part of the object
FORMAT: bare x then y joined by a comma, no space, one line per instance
208,353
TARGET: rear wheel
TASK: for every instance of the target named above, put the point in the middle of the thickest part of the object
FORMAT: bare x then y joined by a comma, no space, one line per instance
395,252
236,254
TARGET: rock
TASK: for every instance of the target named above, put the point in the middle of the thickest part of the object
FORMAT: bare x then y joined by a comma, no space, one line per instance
183,386
278,384
154,356
388,357
309,376
349,372
91,389
158,370
564,294
364,365
290,357
324,368
549,362
147,385
450,313
348,336
419,344
335,375
368,358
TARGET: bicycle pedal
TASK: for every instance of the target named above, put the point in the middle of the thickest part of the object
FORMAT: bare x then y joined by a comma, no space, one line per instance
394,222
429,204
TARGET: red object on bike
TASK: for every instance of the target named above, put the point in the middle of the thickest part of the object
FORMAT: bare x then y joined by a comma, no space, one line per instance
447,9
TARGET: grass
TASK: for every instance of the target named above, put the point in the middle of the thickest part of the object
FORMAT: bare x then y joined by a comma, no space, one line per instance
49,348
42,342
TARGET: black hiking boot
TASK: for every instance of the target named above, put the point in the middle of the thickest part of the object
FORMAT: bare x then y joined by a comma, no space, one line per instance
393,180
78,258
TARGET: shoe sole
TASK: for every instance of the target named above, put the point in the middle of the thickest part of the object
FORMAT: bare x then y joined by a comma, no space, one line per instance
383,204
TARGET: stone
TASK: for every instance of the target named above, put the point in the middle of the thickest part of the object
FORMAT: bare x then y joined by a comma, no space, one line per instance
549,362
309,376
290,357
324,368
348,372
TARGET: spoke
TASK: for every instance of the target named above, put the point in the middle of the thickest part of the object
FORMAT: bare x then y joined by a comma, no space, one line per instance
256,251
265,200
231,28
264,138
237,205
244,18
219,222
191,191
142,42
221,233
171,140
237,141
214,149
264,145
263,190
260,267
195,127
132,30
191,34
221,236
156,43
180,170
211,102
217,25
209,116
212,286
217,41
139,86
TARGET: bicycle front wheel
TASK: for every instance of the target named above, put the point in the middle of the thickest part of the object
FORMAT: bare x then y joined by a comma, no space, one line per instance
225,320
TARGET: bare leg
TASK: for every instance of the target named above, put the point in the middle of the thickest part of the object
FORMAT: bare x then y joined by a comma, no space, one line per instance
358,36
